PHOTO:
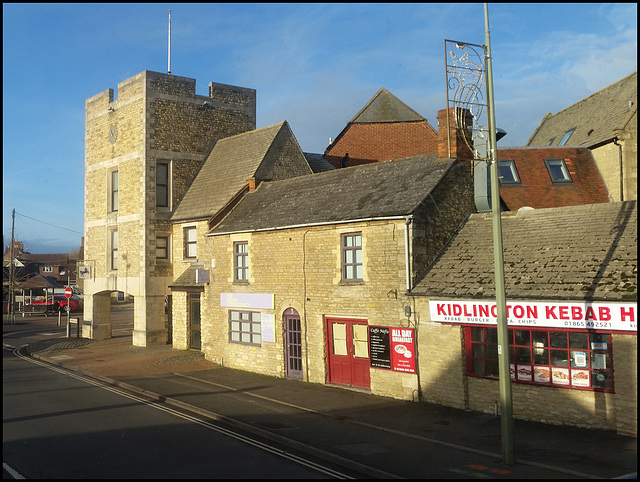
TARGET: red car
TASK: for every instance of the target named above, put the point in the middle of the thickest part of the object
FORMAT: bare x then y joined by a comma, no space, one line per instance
55,303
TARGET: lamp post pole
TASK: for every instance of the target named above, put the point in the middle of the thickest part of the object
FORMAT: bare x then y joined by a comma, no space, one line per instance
506,407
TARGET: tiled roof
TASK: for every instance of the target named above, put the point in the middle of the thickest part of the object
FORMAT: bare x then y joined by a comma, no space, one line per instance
586,252
386,107
594,118
383,189
234,160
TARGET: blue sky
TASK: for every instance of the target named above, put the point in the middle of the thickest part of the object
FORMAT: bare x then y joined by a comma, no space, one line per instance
313,65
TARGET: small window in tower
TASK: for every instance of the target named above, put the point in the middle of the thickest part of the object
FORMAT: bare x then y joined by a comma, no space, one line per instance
114,191
162,184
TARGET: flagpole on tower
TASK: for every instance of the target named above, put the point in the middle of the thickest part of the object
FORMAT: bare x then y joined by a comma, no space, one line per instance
169,57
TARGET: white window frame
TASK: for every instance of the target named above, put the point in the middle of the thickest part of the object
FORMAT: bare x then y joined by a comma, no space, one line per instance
113,250
190,246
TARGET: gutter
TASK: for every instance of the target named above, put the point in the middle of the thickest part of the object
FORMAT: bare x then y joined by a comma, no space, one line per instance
407,253
307,225
615,142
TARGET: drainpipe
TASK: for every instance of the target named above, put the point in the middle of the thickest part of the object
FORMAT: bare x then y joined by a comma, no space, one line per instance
407,253
615,141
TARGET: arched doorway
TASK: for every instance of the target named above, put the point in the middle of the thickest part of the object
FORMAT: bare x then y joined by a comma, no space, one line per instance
293,344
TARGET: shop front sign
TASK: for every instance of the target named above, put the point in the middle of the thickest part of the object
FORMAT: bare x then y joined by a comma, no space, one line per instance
599,316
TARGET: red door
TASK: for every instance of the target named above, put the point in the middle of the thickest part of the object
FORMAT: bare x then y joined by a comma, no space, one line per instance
348,352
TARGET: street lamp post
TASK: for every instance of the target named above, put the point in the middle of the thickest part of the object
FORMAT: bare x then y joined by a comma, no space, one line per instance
506,407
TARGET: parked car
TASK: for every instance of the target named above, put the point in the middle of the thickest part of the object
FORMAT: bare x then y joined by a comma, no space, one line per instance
55,303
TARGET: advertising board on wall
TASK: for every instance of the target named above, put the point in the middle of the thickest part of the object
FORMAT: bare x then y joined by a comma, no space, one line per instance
580,315
392,348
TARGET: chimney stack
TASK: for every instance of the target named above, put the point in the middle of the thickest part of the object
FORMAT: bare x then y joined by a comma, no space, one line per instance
451,139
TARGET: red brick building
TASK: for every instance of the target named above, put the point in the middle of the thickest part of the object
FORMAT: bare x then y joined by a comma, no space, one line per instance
384,129
548,177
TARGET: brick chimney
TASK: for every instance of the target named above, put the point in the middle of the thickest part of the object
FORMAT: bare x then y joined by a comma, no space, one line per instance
451,144
253,184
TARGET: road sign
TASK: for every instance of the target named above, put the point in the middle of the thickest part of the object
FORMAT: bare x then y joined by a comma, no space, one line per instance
68,292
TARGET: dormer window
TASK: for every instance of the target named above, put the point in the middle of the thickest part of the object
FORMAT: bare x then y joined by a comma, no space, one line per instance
558,171
566,136
508,173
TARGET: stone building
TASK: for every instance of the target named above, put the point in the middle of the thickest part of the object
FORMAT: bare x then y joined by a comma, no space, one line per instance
607,123
142,149
300,270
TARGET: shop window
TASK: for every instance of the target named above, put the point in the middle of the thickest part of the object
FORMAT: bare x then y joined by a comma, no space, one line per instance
241,261
576,360
352,269
244,328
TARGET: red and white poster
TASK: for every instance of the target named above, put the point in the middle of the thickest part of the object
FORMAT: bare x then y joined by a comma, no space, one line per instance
403,353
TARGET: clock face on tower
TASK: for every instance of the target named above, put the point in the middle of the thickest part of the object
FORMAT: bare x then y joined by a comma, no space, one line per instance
113,134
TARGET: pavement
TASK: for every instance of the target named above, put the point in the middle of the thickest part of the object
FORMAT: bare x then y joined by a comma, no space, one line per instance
376,436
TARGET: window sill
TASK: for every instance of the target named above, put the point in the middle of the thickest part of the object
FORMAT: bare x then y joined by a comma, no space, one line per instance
351,283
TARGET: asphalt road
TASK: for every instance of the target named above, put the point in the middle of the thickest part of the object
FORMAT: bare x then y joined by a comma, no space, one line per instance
62,425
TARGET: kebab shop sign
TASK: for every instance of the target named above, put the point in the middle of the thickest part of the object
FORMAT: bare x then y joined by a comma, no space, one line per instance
596,316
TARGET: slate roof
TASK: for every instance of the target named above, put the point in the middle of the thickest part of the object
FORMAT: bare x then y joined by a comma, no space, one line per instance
382,189
234,160
586,252
594,117
39,282
386,107
317,162
187,281
59,259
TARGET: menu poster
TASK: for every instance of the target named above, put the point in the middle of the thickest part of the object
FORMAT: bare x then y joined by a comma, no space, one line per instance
524,373
379,347
560,376
403,356
542,374
580,378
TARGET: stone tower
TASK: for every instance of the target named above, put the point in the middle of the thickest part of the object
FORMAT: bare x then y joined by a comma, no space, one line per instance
141,152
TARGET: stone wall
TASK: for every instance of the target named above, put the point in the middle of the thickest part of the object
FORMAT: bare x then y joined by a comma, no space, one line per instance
302,269
609,158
